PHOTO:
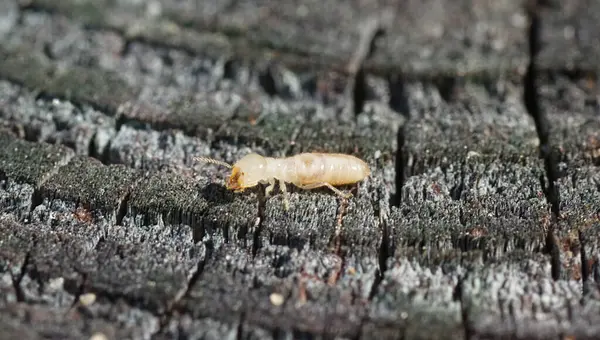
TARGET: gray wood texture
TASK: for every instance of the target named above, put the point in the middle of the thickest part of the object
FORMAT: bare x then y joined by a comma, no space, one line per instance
479,120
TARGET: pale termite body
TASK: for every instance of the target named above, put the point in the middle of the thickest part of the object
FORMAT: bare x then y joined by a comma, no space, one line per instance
305,170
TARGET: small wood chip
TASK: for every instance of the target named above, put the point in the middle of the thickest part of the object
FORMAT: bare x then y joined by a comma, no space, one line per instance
276,299
98,336
87,299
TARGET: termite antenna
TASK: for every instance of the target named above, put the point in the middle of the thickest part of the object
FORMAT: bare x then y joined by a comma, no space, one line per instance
213,161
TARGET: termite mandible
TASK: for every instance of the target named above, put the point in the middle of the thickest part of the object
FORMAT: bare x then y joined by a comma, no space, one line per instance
305,170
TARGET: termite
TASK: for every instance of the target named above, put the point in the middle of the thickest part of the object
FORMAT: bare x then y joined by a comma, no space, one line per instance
305,170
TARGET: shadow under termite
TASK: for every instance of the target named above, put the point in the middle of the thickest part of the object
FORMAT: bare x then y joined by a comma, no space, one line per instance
217,194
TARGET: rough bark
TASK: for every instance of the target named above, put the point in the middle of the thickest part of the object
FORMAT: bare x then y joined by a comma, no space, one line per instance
478,119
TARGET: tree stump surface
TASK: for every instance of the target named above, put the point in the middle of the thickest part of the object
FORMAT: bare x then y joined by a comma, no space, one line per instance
478,120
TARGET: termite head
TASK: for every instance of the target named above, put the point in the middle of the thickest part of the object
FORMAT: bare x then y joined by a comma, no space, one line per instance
246,173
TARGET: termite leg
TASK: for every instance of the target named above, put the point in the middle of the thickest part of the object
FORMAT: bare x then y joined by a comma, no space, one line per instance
270,188
325,184
286,202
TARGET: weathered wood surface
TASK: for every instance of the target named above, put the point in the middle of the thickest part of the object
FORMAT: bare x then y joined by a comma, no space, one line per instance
479,120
